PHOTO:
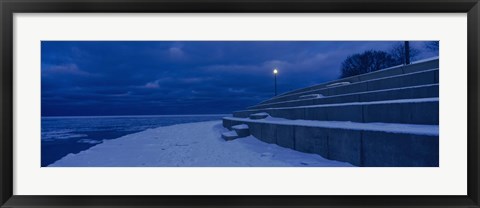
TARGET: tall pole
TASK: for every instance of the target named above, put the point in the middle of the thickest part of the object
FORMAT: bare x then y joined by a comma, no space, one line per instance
275,84
407,53
275,72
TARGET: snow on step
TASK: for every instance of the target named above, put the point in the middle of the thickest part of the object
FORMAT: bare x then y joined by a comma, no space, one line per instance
338,84
229,135
425,60
421,129
240,127
242,130
312,96
411,100
259,115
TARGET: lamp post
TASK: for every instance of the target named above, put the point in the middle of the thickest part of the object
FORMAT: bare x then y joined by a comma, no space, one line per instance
275,72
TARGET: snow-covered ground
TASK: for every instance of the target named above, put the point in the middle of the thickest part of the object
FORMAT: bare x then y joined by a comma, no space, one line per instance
190,145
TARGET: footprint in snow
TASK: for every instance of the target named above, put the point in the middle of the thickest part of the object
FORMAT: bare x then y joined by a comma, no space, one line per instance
266,154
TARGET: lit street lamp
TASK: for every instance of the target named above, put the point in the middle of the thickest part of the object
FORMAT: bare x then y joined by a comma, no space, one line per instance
275,72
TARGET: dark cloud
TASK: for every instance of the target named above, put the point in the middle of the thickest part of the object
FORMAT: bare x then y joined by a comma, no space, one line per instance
189,77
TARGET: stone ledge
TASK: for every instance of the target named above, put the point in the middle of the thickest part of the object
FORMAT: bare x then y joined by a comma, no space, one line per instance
400,111
371,148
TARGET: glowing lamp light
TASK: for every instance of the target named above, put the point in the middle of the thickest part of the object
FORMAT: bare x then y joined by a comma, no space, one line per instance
275,71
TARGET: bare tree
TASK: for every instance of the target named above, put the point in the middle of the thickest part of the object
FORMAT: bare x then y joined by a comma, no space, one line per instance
365,62
432,45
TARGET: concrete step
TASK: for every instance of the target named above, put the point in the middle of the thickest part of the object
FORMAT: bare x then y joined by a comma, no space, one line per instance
423,91
398,81
241,130
229,135
417,66
361,144
413,111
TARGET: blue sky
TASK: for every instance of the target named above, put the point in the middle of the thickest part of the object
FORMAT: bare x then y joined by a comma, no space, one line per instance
88,78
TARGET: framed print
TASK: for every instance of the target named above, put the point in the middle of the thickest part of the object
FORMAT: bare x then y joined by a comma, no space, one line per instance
263,103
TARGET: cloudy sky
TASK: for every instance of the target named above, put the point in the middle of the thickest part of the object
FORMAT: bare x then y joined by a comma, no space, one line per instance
87,78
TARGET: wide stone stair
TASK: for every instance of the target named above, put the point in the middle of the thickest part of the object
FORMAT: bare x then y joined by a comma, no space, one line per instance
385,118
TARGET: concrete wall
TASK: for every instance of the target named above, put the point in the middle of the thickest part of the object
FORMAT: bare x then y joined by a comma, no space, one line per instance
413,79
416,67
413,113
392,94
358,147
401,150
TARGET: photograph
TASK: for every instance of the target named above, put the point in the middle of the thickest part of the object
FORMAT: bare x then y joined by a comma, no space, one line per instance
200,103
239,103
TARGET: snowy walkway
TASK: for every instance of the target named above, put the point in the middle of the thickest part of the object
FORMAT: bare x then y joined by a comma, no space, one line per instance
190,145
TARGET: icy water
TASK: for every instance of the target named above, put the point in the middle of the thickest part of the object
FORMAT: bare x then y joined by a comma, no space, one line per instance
64,135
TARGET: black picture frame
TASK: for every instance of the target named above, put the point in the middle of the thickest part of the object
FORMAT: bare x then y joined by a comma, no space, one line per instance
9,7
